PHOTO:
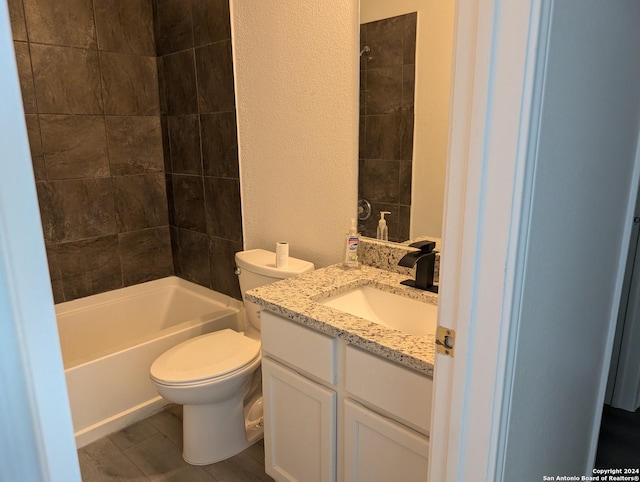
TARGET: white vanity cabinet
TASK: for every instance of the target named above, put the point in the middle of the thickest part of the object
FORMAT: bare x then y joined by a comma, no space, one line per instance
336,412
379,449
300,409
300,417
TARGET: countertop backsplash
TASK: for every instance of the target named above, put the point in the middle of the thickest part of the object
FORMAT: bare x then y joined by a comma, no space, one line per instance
385,255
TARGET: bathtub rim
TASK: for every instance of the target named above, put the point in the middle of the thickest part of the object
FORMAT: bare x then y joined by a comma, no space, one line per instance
144,288
228,306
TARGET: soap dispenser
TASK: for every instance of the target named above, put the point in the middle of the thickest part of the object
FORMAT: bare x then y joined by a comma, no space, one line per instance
351,248
383,230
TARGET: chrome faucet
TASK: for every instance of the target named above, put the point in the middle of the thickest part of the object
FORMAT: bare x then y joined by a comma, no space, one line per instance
424,261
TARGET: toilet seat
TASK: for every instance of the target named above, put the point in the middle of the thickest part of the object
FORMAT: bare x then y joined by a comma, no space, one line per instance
205,358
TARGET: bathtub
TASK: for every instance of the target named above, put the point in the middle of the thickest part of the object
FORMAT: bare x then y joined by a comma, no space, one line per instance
110,340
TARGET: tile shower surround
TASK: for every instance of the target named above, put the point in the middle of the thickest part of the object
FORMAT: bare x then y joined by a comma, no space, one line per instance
387,85
121,173
197,102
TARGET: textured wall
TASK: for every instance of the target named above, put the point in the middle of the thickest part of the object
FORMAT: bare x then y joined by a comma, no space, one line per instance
90,93
201,151
297,89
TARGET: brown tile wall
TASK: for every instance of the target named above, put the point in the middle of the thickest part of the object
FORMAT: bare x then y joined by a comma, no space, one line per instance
195,69
88,72
387,86
130,112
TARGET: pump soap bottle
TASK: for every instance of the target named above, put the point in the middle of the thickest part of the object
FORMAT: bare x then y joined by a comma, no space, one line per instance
351,248
383,230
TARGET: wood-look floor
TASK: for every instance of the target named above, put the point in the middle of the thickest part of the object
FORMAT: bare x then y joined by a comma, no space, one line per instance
152,450
619,442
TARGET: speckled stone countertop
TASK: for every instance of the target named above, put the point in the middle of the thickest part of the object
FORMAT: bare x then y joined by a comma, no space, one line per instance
298,299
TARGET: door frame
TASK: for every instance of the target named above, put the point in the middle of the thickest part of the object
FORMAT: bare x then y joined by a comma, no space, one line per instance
622,382
37,432
492,109
500,52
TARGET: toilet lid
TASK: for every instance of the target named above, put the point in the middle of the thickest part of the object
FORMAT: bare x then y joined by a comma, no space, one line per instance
204,357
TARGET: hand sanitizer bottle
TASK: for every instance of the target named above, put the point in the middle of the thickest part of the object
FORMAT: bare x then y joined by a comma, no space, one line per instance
351,248
383,230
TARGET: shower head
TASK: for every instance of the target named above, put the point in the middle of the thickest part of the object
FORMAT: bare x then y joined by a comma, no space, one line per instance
365,50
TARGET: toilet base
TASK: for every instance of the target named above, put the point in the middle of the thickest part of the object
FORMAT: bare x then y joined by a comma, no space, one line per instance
236,428
205,443
254,418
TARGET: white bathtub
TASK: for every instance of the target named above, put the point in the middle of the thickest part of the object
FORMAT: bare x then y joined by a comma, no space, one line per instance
110,340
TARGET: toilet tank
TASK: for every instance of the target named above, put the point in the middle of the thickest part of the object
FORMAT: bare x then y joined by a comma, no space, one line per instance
257,267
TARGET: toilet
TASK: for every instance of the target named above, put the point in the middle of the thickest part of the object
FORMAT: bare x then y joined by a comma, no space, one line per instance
216,376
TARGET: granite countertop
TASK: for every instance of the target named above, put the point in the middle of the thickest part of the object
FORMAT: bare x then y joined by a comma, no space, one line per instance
298,300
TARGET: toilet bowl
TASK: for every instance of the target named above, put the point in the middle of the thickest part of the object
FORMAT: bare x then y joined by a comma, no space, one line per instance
216,377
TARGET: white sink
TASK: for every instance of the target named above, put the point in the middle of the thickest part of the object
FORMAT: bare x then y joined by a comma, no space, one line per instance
387,309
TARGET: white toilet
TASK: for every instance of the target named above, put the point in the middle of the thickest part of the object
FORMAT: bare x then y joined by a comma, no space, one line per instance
216,376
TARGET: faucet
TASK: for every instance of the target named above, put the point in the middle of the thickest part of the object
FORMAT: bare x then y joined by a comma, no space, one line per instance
425,262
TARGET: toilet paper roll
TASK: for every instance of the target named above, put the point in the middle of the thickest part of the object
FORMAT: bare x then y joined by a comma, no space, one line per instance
282,254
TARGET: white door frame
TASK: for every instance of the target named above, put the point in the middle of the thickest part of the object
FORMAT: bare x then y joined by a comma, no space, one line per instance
623,387
495,111
36,433
492,101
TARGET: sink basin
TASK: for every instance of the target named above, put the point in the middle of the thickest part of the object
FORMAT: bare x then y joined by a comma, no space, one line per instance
387,309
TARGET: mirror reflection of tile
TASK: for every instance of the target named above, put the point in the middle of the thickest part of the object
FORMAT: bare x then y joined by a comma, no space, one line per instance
387,86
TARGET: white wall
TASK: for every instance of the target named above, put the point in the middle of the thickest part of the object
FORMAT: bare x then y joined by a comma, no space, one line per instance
434,55
296,75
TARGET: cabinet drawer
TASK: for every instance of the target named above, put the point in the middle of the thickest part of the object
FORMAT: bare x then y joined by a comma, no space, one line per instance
377,381
301,347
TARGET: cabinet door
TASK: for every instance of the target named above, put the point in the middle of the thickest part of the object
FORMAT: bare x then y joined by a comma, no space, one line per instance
379,449
299,426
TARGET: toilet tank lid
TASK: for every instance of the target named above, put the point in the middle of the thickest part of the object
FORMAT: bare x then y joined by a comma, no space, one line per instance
263,262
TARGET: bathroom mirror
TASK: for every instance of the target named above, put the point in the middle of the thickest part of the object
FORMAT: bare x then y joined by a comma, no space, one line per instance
406,49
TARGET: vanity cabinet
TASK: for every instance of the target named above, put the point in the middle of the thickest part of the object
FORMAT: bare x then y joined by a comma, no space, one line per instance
335,412
300,403
300,417
378,448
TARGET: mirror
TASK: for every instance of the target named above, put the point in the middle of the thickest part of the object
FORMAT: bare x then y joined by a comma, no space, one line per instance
406,49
